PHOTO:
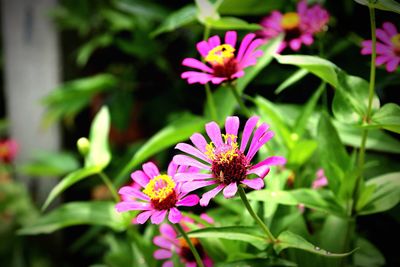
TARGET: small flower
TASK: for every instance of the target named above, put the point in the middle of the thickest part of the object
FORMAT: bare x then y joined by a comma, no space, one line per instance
161,194
169,243
8,150
299,27
225,162
223,64
387,47
320,180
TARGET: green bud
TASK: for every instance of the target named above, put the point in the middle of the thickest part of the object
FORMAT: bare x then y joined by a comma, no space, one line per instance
83,145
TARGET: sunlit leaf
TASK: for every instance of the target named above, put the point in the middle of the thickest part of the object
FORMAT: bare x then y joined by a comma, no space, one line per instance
232,23
206,11
76,213
387,5
179,18
388,118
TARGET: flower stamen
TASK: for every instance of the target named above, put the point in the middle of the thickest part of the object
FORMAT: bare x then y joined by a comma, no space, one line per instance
160,187
290,21
220,54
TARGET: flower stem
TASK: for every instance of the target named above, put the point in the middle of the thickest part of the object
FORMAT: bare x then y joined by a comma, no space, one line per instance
211,103
255,216
109,185
243,107
190,244
361,155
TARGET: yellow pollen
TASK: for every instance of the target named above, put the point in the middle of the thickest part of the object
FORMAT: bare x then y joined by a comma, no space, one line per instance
290,20
396,41
223,156
220,53
160,187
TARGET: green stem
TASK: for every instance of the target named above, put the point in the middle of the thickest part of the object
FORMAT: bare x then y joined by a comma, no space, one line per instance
243,107
255,216
211,103
361,155
109,185
190,244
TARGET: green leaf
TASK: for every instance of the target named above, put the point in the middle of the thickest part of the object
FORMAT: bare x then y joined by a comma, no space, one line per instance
292,79
320,67
257,263
247,234
301,151
290,240
175,132
86,50
206,11
385,196
179,18
387,5
68,181
249,7
76,213
99,153
388,118
334,158
232,23
368,255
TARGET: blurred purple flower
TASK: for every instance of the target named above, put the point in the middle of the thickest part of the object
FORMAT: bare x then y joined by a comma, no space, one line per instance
8,150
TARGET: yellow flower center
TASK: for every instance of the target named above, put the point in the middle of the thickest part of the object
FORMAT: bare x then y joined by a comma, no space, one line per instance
220,53
225,153
3,151
290,21
160,187
396,41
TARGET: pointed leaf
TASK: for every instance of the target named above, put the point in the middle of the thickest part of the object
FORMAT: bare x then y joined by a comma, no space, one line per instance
176,19
387,5
292,79
232,23
388,118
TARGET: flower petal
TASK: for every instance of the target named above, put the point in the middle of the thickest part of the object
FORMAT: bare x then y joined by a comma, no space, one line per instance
131,205
230,190
214,133
150,169
132,192
158,216
232,125
260,171
188,177
248,129
199,141
392,64
244,45
144,216
203,48
197,77
192,151
194,185
168,231
390,28
188,201
271,161
168,264
205,199
189,161
174,215
194,63
214,41
230,38
163,242
140,177
161,254
256,183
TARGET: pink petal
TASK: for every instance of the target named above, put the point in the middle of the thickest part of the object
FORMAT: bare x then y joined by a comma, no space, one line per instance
141,178
194,185
230,38
151,169
132,192
158,216
230,190
174,215
232,125
295,44
162,242
199,141
307,39
243,46
131,205
218,80
188,177
161,254
260,171
172,169
205,199
203,48
256,183
250,53
168,231
214,41
194,63
383,36
168,264
214,133
188,161
271,161
192,151
260,137
144,216
392,64
238,74
380,60
248,129
188,201
390,28
383,49
196,77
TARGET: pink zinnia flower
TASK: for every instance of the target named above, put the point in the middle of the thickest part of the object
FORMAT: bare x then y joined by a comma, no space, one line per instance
223,64
169,244
299,27
225,162
387,47
320,180
8,150
161,194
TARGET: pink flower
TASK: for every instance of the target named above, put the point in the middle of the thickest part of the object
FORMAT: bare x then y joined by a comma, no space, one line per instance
161,194
320,180
299,27
8,150
223,64
387,47
169,244
225,162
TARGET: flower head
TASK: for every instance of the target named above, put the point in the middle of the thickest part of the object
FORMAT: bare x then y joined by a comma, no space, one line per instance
161,194
222,61
320,180
8,150
387,47
169,243
298,27
225,160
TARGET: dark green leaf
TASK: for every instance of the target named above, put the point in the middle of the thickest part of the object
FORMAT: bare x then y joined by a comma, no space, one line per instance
387,5
257,263
232,23
290,240
249,7
368,255
86,50
177,19
388,118
292,79
76,213
240,233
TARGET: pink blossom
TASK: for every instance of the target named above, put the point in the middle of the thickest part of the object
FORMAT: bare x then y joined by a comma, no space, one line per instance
8,150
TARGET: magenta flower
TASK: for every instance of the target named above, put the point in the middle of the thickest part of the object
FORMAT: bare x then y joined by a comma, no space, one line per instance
223,64
8,150
225,162
299,27
320,180
169,244
161,194
387,47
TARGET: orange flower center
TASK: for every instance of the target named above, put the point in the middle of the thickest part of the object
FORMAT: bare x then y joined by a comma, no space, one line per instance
290,21
220,54
161,191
